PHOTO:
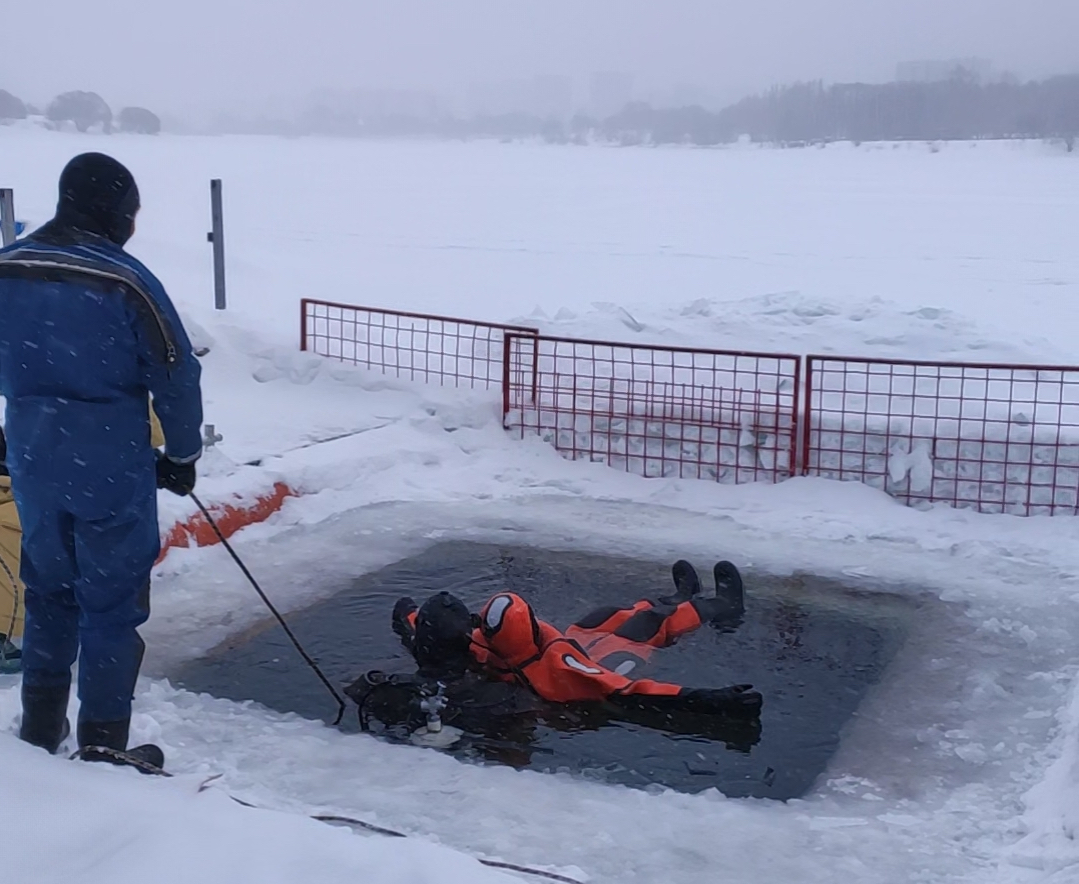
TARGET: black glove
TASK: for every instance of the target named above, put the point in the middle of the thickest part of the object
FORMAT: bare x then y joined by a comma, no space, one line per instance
179,478
739,701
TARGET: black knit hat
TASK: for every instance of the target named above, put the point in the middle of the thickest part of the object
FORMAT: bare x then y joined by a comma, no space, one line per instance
98,195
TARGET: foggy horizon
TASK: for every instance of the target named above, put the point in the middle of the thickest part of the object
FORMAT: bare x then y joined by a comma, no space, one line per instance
223,57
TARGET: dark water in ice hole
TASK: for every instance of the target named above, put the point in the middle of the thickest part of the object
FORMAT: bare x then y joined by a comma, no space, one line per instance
811,646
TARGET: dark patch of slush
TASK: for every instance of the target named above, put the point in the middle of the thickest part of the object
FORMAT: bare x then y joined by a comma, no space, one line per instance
812,647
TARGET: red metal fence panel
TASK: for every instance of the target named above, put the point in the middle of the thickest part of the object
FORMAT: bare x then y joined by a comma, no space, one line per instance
995,438
656,411
418,346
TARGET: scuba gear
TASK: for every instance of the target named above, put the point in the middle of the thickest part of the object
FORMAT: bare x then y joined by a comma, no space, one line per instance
499,719
433,734
432,706
468,699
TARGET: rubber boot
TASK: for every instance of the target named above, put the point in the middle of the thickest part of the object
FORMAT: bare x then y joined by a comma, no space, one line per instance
44,716
686,582
730,592
113,735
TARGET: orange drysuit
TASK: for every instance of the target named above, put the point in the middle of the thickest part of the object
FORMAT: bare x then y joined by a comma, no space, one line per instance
514,645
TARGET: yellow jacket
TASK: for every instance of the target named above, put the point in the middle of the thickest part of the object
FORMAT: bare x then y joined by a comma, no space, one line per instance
10,543
11,607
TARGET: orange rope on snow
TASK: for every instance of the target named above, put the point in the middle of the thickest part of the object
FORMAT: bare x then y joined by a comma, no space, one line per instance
230,518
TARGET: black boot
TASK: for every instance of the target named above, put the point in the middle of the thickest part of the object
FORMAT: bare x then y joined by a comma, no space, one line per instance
99,740
686,582
44,716
730,592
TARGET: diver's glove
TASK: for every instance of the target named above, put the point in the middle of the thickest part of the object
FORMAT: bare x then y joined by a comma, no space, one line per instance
739,701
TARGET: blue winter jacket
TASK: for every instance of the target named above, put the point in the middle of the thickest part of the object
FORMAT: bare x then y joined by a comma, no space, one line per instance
86,333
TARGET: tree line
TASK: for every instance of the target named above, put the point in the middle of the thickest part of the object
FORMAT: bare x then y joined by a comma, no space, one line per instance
952,110
960,108
86,111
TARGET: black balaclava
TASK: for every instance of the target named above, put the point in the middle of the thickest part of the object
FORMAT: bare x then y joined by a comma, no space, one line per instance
443,634
97,195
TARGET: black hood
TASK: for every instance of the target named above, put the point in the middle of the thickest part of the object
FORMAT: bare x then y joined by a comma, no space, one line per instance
443,634
97,195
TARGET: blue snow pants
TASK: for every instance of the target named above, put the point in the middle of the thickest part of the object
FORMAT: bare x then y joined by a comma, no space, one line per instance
87,593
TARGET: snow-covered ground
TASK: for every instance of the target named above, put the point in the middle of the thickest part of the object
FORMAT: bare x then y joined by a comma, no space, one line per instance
962,765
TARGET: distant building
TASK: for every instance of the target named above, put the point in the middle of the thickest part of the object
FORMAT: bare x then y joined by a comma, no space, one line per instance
609,92
980,70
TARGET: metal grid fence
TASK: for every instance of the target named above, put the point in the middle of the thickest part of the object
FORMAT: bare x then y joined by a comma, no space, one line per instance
656,411
995,438
418,346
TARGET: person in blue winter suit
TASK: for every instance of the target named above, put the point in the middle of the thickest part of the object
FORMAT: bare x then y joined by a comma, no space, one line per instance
87,335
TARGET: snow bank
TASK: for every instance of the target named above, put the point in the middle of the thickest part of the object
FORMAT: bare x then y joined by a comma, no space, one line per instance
1052,815
69,821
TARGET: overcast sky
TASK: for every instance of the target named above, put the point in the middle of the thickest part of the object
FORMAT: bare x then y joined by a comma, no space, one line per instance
182,55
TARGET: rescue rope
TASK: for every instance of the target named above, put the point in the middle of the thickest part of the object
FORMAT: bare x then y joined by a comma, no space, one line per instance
341,705
117,756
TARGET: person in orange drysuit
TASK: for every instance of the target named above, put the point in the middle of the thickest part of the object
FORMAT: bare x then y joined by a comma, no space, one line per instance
590,660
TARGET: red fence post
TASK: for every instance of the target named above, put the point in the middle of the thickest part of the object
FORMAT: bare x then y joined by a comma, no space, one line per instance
535,372
507,344
807,415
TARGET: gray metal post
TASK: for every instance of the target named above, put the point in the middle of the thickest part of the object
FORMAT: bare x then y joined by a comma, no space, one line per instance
217,237
7,216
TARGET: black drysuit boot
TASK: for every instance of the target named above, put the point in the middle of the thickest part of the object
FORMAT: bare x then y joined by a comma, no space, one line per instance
44,716
730,592
686,582
94,735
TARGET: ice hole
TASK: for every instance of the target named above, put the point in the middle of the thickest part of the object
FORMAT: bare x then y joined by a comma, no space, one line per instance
814,647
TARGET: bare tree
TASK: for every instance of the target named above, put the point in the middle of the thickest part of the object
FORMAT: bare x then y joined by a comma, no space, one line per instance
84,109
